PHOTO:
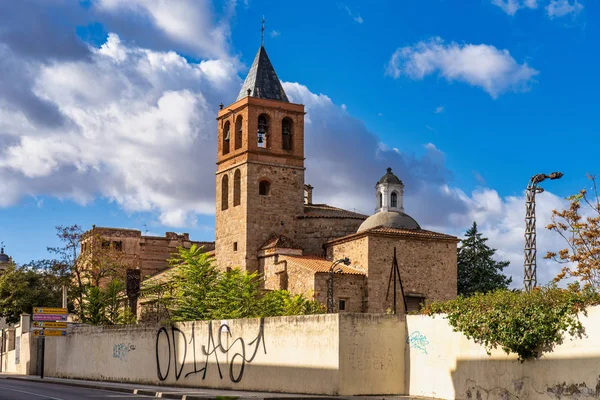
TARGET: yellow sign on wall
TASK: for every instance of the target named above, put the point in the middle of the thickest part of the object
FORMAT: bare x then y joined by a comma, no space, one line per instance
49,332
46,324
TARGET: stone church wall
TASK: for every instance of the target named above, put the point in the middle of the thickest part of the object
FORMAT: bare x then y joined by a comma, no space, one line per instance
351,288
427,267
313,233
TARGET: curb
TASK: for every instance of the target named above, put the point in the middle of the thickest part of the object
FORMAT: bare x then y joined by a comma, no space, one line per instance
153,393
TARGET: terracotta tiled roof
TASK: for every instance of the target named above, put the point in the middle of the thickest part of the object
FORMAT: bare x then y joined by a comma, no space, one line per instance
327,211
281,242
382,230
317,264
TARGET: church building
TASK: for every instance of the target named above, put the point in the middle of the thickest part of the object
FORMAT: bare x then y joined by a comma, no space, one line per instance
266,220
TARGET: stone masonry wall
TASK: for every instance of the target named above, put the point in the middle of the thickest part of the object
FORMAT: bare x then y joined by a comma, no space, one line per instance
313,233
275,212
230,229
300,280
357,250
351,288
427,267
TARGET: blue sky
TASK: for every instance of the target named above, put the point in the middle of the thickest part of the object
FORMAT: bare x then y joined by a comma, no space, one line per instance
465,102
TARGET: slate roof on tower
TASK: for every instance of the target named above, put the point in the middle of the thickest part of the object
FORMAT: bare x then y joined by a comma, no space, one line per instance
262,80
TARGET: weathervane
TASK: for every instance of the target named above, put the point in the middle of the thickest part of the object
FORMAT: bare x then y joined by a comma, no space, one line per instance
262,34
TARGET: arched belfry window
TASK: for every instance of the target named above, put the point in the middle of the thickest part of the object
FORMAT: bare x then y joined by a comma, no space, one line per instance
380,200
237,186
263,130
264,187
286,133
238,132
394,199
225,192
226,137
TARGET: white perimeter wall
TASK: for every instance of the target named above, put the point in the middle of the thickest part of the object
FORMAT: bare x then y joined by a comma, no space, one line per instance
443,364
285,354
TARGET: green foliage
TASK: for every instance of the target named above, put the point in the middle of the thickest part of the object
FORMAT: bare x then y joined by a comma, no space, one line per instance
22,288
525,323
236,295
281,302
193,280
94,307
478,272
197,290
105,306
113,300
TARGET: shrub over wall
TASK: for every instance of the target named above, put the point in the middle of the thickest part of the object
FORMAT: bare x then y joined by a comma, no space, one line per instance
525,323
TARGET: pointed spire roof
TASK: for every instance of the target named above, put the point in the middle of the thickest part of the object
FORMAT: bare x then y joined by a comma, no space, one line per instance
262,81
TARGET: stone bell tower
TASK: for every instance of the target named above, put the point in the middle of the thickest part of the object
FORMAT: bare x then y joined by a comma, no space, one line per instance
260,167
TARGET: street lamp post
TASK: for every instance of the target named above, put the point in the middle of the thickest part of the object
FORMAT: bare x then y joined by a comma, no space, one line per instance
530,264
333,270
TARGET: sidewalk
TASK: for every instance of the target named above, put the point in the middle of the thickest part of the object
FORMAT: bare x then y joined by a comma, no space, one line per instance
169,392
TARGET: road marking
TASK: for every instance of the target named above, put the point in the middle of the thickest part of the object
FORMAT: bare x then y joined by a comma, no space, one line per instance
35,394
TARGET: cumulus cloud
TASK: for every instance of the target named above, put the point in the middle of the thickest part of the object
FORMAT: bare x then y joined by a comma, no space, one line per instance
484,66
512,6
193,26
560,8
138,122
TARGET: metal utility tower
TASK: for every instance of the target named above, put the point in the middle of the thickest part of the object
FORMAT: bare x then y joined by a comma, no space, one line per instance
530,265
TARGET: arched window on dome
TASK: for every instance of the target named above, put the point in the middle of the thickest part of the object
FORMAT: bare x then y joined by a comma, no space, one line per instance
225,193
380,200
394,200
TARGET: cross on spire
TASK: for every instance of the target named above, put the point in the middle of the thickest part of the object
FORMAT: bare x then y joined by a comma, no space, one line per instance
262,33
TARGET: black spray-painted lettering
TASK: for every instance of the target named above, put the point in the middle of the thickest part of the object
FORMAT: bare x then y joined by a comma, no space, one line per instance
208,351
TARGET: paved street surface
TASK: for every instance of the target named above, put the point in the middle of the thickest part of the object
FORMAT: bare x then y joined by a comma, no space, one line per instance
19,387
26,390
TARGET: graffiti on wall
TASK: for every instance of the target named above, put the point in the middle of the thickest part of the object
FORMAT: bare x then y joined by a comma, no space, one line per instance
240,353
418,341
121,351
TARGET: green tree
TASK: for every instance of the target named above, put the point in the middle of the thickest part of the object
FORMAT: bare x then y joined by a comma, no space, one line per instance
25,287
193,280
66,265
195,289
478,272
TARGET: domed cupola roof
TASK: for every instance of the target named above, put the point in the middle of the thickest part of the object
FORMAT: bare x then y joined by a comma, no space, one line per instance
389,219
4,258
389,212
389,177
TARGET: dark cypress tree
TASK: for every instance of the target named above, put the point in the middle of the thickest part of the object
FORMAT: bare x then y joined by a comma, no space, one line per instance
477,269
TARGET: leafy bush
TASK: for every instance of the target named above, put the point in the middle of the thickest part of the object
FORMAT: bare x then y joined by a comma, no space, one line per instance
195,289
525,323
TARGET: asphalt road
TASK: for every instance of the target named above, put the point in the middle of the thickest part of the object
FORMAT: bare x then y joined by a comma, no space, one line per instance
24,390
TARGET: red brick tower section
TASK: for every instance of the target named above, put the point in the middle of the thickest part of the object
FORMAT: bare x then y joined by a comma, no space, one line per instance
260,168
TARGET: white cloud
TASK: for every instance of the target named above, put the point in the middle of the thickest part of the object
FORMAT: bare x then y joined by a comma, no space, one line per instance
192,24
502,221
355,16
484,66
139,121
560,8
439,109
512,6
275,34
